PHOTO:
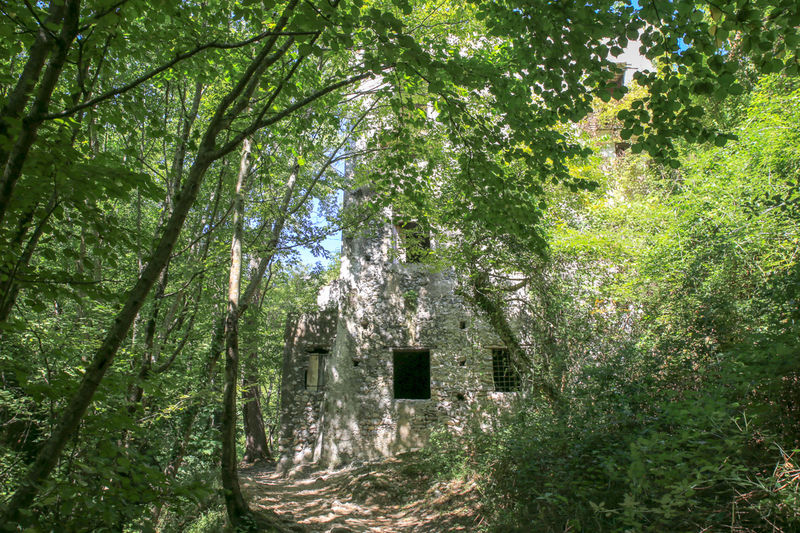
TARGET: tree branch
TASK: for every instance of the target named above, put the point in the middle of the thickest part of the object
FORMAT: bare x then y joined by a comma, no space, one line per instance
277,117
166,66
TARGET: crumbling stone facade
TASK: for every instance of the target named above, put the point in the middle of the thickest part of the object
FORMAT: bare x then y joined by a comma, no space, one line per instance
393,353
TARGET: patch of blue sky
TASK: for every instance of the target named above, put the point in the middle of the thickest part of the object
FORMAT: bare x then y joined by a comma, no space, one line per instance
682,45
332,244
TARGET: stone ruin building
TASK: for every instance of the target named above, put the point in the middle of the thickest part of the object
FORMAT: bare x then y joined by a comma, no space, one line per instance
392,353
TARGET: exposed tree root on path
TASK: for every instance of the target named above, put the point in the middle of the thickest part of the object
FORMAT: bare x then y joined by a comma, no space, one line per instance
387,496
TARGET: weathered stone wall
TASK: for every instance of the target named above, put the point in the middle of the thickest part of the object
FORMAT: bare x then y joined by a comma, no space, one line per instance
383,304
301,408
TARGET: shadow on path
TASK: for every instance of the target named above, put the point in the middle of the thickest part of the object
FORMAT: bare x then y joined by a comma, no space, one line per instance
385,496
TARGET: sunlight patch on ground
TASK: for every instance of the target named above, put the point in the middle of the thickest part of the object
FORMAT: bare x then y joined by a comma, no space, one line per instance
379,497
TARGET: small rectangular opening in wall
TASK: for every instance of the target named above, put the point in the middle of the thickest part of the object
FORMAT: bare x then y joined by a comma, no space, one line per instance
314,371
412,374
504,375
415,240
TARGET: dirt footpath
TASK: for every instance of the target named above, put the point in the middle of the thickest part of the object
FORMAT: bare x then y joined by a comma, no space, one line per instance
389,496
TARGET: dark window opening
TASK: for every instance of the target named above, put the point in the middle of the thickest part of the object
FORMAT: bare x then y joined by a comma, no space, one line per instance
412,374
505,376
415,240
314,374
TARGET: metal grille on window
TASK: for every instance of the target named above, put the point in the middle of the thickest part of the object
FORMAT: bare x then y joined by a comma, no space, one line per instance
505,376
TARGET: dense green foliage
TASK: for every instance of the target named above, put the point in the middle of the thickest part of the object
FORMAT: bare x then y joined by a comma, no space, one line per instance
670,317
152,150
119,466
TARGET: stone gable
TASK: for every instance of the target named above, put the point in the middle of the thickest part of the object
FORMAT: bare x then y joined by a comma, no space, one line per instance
383,311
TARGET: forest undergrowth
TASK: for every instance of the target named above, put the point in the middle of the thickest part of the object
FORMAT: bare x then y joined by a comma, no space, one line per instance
163,165
669,308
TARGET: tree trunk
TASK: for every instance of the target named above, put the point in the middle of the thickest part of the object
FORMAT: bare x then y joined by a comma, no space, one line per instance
146,364
37,55
9,289
234,501
256,446
30,125
207,153
272,428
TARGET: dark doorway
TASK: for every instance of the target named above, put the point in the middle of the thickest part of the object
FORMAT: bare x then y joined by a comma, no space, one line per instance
412,374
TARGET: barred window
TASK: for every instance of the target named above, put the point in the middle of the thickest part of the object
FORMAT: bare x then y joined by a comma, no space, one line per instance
505,376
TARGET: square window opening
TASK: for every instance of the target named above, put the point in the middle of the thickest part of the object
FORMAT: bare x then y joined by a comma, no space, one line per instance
412,374
415,240
504,375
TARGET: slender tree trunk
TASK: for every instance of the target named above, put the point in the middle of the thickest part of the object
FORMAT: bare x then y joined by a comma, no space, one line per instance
9,289
256,446
178,451
136,392
255,436
272,422
208,152
30,125
37,55
234,501
186,128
